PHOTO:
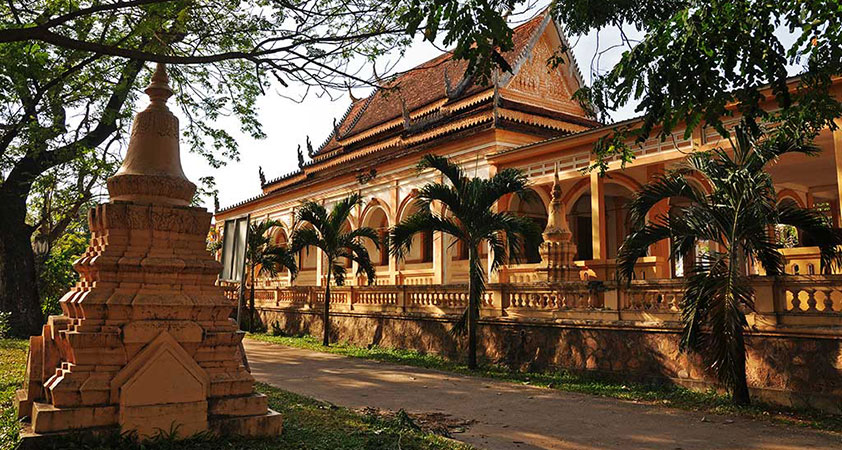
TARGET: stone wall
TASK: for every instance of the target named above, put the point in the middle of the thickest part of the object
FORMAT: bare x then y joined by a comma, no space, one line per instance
784,369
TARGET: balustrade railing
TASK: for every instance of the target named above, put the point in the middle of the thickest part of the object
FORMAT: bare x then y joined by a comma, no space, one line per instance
812,294
662,296
789,301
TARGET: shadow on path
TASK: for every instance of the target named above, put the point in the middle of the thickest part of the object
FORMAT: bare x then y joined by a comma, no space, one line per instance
516,416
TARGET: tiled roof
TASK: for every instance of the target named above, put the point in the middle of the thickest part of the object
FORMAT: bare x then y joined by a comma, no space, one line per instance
418,87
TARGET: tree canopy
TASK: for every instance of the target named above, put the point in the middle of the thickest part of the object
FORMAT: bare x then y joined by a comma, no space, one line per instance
70,73
698,62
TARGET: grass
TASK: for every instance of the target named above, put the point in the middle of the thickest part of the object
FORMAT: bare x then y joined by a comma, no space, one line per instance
657,394
308,423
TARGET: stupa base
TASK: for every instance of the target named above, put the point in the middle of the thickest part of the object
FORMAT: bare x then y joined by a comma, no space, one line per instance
268,424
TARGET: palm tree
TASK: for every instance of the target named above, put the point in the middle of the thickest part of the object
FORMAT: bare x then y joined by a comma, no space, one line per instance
326,234
737,216
260,252
470,222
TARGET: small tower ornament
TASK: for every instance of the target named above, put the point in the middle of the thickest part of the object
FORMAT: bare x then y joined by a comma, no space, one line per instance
558,251
144,342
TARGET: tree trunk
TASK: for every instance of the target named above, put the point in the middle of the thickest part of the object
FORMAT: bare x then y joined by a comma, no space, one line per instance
18,287
474,293
251,302
326,316
740,395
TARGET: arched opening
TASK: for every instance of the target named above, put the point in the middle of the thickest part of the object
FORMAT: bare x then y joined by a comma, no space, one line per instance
307,255
531,206
376,219
617,224
279,237
421,250
579,221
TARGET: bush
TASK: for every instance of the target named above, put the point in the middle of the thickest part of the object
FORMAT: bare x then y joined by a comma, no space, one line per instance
56,275
4,324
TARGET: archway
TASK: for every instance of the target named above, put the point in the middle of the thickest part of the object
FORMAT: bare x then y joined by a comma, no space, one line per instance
579,221
307,262
376,219
421,250
617,225
531,206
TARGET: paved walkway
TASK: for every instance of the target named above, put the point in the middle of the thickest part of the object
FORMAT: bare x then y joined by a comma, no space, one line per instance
510,416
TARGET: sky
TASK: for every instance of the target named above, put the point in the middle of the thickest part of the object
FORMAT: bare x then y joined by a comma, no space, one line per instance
288,123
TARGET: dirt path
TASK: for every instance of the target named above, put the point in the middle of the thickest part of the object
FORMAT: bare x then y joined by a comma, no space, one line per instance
516,416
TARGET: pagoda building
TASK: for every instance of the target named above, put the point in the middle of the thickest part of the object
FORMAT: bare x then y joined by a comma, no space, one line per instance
525,119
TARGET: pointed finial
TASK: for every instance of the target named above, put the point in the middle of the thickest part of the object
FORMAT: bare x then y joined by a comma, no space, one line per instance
405,113
159,89
351,93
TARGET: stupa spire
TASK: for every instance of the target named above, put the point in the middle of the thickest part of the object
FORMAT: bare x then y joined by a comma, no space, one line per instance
151,171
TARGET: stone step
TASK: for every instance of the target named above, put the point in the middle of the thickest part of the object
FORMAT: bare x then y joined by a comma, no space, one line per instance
47,418
246,405
269,424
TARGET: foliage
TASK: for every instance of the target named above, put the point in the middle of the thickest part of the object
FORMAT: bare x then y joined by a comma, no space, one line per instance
56,275
666,395
308,423
70,75
4,325
786,236
325,231
468,218
479,31
12,367
737,215
697,63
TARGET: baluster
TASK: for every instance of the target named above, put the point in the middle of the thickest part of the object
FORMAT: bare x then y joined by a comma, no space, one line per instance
796,301
811,300
828,301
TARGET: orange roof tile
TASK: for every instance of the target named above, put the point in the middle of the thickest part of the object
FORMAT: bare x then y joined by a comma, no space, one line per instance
419,87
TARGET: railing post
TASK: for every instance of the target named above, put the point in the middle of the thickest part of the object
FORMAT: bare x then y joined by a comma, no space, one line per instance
612,299
352,298
401,300
311,296
496,308
765,295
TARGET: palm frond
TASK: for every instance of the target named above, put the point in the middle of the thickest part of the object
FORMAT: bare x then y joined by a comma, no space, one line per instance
305,237
452,171
400,236
359,234
314,214
341,210
438,192
662,187
276,259
504,182
518,231
636,245
816,225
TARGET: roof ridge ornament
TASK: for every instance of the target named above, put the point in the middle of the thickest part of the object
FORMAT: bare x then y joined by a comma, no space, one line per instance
405,114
